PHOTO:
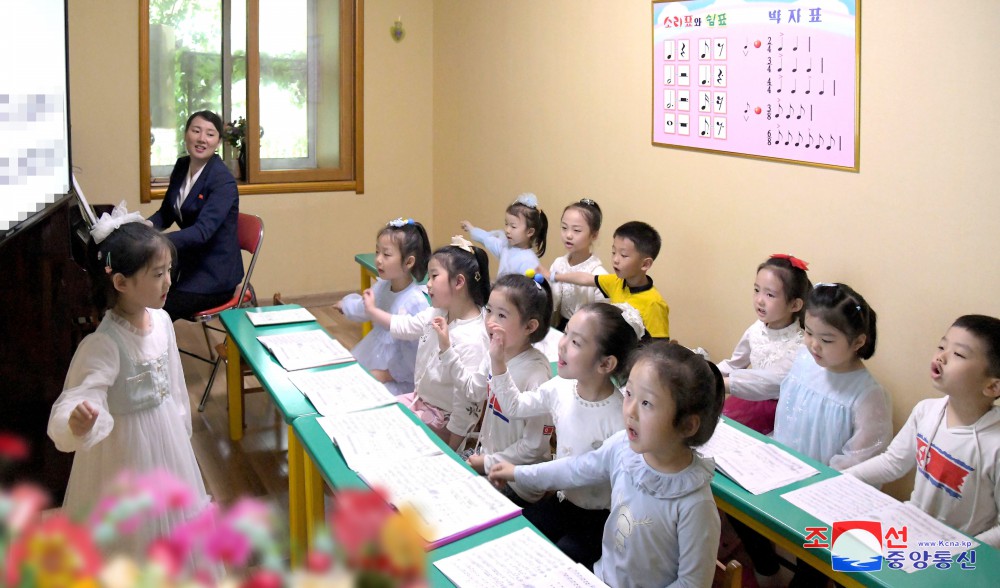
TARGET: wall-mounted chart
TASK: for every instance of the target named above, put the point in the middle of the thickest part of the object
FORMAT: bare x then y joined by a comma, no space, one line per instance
774,79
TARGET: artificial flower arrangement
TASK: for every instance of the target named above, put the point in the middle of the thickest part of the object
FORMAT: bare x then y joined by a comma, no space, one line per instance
235,132
366,544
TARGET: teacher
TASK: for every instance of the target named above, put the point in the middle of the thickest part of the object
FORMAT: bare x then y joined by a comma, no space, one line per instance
203,200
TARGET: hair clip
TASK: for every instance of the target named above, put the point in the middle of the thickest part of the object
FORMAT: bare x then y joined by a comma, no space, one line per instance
462,243
632,317
535,277
528,199
588,202
477,276
795,261
399,222
109,222
107,264
825,285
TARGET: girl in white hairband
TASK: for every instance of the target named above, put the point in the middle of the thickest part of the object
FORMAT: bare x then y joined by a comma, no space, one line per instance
401,255
523,239
124,406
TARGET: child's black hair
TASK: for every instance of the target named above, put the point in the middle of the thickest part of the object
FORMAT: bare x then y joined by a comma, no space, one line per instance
411,238
839,306
642,235
794,281
474,266
535,219
615,336
531,299
987,330
591,213
695,384
127,250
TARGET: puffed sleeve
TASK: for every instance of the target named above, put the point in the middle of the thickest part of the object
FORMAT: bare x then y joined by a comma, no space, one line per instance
410,328
525,404
93,370
178,386
491,241
741,356
872,429
353,306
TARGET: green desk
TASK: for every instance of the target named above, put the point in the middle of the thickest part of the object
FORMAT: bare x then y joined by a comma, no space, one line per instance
242,343
329,462
783,523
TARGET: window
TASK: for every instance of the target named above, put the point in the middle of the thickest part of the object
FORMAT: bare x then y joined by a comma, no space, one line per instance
292,69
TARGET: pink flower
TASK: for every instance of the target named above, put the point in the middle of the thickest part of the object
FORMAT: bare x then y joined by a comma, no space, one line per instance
13,447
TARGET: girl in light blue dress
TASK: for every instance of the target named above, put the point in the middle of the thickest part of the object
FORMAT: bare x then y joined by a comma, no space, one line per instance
402,251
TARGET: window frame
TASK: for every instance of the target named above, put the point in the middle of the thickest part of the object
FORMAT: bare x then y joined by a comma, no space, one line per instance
348,177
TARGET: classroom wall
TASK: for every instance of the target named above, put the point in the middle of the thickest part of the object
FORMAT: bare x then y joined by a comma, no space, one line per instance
310,239
554,97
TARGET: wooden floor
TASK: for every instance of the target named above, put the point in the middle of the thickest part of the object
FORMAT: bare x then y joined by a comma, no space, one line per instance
257,465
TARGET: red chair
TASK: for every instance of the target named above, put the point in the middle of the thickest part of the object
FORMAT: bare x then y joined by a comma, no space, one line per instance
250,231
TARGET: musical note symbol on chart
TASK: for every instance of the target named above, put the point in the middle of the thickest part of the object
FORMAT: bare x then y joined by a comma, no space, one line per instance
802,110
706,101
747,109
820,143
810,139
795,85
791,109
796,68
810,68
781,42
720,128
830,146
781,64
780,135
796,47
823,89
719,100
706,48
788,137
718,77
708,127
780,84
683,49
799,141
780,107
809,89
721,49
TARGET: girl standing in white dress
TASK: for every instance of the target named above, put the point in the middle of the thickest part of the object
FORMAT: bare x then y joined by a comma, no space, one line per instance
401,254
124,406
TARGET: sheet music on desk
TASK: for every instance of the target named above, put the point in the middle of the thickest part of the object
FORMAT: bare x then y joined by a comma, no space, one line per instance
346,389
280,317
522,558
382,435
753,464
305,349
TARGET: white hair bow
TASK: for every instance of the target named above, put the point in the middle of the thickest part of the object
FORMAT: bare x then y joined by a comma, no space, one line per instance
109,222
632,317
528,199
462,243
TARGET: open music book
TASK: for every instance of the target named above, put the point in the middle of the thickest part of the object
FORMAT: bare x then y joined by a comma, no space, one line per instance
305,349
345,389
753,464
280,317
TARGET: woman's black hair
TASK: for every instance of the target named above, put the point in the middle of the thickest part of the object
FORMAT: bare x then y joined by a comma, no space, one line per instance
207,115
474,266
411,238
591,212
531,299
615,336
535,219
839,306
794,280
128,249
695,384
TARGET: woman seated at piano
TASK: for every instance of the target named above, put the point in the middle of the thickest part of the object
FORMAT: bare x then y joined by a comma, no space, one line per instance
203,201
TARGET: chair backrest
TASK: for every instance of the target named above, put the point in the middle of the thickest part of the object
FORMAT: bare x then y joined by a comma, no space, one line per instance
250,232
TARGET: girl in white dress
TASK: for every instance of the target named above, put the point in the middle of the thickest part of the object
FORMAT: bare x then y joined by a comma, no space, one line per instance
579,228
768,347
124,406
522,241
401,254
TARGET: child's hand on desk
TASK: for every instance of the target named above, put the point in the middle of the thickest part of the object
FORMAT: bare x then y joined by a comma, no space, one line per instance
82,419
440,324
382,376
466,226
477,463
339,306
502,473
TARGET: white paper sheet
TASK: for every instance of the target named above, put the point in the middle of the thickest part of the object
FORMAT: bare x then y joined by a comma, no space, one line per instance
341,390
522,558
753,464
305,349
381,434
404,479
840,498
459,506
280,317
921,528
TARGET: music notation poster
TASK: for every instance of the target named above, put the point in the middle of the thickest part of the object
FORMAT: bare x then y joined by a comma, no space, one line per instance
768,79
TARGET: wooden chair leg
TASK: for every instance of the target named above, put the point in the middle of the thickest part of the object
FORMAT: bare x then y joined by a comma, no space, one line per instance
732,573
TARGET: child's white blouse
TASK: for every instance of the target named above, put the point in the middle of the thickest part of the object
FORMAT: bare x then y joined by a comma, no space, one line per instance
761,360
568,298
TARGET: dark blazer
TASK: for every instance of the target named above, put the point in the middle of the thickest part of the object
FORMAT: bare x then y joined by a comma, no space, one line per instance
208,249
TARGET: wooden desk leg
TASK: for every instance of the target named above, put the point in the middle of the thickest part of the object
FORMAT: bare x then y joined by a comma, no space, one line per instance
234,387
795,549
366,282
296,499
314,506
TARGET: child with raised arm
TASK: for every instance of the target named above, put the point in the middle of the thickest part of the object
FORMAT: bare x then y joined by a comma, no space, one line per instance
636,244
518,312
458,284
664,527
579,228
954,441
401,255
125,406
830,407
586,407
768,347
523,242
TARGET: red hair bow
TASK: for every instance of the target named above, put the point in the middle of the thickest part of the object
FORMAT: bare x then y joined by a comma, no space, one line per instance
795,261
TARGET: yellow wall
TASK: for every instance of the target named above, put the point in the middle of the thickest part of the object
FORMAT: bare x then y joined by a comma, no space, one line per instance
554,97
310,239
484,100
